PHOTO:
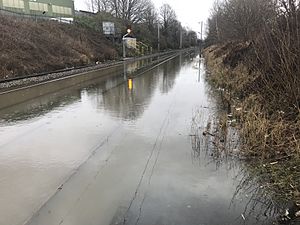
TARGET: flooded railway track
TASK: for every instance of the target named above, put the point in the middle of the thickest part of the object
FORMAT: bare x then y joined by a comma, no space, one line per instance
18,90
116,148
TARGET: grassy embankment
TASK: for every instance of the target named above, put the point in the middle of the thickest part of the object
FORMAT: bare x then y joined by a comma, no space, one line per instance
268,115
29,46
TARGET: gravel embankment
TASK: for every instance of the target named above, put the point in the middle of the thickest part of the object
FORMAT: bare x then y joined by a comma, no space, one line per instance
9,85
52,76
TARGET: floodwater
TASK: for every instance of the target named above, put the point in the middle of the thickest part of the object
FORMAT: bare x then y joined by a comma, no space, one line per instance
116,150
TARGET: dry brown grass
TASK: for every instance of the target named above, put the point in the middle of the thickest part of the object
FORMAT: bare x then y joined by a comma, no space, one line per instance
29,46
270,136
273,133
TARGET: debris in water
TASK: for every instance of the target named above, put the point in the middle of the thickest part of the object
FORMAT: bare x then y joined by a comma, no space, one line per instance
207,133
291,212
243,216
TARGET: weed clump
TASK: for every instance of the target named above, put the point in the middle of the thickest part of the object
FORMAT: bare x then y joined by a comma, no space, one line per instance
269,127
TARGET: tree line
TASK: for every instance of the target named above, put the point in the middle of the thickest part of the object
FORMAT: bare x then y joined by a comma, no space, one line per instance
271,30
145,20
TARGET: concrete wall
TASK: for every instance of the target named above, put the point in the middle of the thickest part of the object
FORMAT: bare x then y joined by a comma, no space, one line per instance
24,94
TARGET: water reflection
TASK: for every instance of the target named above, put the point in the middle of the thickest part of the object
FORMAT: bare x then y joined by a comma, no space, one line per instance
130,84
219,144
38,107
129,100
214,138
45,139
170,71
126,102
171,190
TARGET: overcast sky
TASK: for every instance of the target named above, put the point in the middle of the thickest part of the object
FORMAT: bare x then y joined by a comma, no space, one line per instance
189,12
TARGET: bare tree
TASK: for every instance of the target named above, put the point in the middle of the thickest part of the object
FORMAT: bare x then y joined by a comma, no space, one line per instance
240,19
137,9
99,5
150,16
143,16
132,11
167,15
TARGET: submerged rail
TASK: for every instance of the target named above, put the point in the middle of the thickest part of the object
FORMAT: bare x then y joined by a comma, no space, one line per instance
23,93
87,67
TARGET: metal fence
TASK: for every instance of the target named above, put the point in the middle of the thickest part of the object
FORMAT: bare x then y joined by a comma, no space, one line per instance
35,17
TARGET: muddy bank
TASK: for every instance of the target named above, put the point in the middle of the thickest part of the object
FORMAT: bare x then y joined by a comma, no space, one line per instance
269,130
29,46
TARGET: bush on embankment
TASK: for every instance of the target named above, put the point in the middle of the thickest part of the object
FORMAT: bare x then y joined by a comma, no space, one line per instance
256,62
270,132
29,46
271,124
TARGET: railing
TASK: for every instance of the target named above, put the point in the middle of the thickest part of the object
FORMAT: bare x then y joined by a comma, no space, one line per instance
142,48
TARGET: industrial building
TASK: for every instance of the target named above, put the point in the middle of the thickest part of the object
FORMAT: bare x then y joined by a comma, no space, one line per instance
52,8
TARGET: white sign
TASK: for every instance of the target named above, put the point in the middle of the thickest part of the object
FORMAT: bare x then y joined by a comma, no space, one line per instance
108,28
130,42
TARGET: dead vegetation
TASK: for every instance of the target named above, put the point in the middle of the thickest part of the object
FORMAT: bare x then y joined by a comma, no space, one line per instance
270,138
255,64
29,46
258,77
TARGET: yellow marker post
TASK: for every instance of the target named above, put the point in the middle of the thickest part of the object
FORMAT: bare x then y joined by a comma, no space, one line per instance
130,84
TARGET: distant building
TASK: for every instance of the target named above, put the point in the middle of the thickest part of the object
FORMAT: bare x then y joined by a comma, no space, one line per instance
85,13
52,8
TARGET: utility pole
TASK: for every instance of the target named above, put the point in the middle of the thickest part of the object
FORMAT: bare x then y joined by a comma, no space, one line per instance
201,29
128,10
93,9
180,45
158,37
201,36
217,22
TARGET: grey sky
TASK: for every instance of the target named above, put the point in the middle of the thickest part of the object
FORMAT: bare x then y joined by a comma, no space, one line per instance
189,12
